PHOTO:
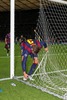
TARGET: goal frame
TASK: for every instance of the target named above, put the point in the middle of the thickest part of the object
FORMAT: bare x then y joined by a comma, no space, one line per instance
12,29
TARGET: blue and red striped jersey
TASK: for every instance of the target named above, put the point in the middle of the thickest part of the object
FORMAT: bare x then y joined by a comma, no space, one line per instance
28,45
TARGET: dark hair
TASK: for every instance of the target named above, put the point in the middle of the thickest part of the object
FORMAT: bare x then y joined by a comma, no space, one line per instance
36,49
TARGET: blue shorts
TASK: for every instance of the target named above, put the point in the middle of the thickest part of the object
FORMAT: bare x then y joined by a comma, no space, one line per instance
26,53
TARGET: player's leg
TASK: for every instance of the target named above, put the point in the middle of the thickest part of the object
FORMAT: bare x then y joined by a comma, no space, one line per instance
24,60
8,49
33,67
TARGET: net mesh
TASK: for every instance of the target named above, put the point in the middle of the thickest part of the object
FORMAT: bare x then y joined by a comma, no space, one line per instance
51,27
51,73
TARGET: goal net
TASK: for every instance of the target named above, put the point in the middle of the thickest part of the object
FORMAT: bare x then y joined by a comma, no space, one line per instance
51,73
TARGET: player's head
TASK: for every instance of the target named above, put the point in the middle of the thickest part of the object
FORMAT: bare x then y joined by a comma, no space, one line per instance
35,49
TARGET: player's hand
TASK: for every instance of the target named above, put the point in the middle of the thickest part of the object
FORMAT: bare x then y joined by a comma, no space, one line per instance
46,49
25,75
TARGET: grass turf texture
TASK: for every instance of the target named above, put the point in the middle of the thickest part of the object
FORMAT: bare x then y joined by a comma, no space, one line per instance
21,91
4,62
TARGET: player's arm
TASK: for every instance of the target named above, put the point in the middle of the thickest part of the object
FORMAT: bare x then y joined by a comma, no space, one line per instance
45,46
22,47
46,49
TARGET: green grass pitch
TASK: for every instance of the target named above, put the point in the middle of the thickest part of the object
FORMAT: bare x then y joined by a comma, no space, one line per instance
20,91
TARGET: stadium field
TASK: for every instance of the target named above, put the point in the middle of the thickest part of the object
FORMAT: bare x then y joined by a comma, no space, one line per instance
20,91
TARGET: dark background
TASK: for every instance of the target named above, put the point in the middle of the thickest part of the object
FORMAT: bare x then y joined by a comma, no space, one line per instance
55,23
25,22
4,24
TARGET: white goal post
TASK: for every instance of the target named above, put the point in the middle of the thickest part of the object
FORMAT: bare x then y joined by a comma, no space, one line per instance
12,30
59,1
12,33
51,74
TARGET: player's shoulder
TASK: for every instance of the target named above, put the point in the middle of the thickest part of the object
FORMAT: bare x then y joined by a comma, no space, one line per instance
36,40
22,43
42,42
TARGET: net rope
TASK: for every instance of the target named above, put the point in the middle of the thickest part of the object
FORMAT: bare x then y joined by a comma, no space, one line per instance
51,27
51,73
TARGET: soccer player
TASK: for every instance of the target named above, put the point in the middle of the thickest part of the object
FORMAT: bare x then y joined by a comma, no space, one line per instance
7,43
31,48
